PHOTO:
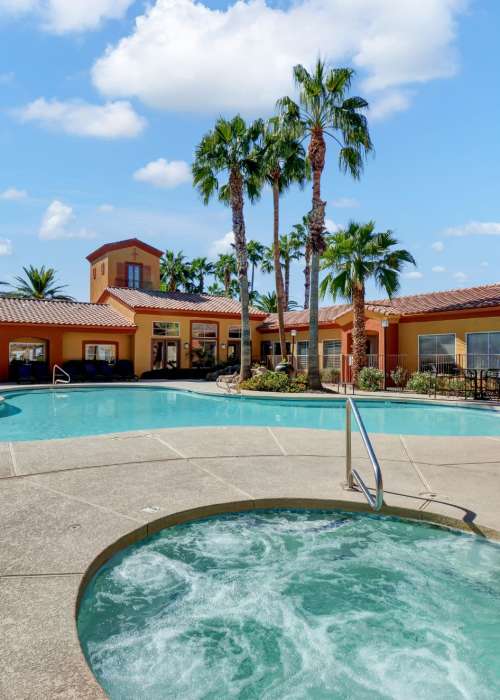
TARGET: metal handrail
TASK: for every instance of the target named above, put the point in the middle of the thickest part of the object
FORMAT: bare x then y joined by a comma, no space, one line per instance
352,475
63,371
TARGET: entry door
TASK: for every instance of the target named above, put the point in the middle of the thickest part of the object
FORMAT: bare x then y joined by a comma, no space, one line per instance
164,354
234,352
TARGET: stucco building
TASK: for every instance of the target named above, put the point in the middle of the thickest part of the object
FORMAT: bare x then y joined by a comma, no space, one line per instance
129,318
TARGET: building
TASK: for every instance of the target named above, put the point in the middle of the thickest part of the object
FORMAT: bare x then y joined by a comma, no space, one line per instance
129,318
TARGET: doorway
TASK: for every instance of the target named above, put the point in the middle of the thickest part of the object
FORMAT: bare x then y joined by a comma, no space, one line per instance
165,354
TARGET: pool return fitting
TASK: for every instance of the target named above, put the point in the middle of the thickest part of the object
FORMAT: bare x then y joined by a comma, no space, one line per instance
352,476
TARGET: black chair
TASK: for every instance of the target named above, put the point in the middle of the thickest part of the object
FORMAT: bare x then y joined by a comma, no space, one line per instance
25,373
104,371
90,371
41,372
123,370
75,369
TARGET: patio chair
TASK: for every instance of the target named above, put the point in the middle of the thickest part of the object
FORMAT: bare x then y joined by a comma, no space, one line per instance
123,371
228,382
40,372
24,374
104,371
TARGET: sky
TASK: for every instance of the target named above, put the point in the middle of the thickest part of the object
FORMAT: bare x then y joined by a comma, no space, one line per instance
104,101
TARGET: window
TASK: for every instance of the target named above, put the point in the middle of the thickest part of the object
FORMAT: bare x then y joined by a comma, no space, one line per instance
302,354
28,352
436,353
134,275
332,354
234,332
483,350
170,329
101,351
203,344
93,272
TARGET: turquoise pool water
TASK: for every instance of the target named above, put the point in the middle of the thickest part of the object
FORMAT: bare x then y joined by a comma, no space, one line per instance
302,605
58,413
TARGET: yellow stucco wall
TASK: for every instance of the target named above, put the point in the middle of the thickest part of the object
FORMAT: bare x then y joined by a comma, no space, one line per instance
409,332
72,343
323,334
107,269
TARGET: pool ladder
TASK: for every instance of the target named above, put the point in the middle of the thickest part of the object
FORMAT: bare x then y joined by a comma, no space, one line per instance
352,476
64,379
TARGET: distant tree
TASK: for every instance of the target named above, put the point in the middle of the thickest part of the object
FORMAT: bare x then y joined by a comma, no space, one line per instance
301,234
224,268
174,271
255,251
216,290
325,109
229,152
290,248
39,283
283,163
352,257
269,303
199,268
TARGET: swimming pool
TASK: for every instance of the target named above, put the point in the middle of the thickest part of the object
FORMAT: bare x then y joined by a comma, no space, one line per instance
58,413
309,605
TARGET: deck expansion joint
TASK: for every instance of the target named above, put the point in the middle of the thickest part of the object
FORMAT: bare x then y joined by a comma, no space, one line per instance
221,479
278,443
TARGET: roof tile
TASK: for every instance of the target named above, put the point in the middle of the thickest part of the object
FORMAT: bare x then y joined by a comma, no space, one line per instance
61,313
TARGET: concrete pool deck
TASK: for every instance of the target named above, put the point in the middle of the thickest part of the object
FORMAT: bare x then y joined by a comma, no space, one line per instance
63,502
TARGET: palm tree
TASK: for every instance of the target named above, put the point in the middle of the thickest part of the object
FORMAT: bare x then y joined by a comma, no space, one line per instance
283,163
229,151
224,269
352,257
198,269
269,303
255,252
301,234
216,290
39,283
174,271
290,250
325,109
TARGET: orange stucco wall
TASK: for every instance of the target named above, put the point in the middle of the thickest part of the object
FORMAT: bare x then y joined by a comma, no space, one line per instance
409,332
110,269
72,343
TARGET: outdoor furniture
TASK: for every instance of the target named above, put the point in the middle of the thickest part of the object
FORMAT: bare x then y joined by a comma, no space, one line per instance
40,371
123,370
24,374
228,382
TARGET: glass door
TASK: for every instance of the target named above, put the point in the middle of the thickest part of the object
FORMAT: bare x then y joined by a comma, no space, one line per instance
165,354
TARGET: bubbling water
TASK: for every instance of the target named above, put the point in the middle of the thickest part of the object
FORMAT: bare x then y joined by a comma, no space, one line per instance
297,605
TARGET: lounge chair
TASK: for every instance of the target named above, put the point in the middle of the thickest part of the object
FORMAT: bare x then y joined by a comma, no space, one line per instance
228,382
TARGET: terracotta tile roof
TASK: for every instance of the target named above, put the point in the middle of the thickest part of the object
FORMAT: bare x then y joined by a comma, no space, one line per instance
61,313
127,243
432,302
179,301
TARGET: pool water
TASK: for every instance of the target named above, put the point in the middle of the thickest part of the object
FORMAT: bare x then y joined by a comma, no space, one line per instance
59,413
309,605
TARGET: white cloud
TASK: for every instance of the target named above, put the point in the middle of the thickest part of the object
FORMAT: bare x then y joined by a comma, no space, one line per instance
460,276
61,16
331,226
172,58
112,120
413,275
438,246
57,223
13,194
390,102
222,245
5,247
484,263
475,228
345,203
438,268
164,174
105,208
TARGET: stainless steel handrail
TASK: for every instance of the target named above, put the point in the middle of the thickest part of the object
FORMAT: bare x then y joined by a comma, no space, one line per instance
67,380
352,475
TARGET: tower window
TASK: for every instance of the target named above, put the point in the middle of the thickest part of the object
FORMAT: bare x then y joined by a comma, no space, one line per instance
134,275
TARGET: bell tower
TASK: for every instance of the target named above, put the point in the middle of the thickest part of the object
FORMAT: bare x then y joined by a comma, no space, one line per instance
130,263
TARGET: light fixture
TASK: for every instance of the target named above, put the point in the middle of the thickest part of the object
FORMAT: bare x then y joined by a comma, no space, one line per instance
385,323
293,333
186,346
223,346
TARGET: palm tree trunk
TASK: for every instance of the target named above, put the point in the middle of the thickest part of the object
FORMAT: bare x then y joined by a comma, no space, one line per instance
227,281
236,189
358,332
316,152
280,295
253,277
307,273
287,283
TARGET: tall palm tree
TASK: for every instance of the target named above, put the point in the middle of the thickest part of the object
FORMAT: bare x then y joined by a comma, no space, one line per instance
301,234
324,108
229,152
174,270
283,163
255,252
224,269
39,283
352,257
290,250
199,269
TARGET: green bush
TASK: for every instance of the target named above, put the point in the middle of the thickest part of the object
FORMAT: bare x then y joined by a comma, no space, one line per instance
276,381
370,379
399,376
330,375
421,382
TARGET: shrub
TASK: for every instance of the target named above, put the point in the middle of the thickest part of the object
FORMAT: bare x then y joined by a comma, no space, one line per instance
330,375
370,378
276,381
399,376
421,382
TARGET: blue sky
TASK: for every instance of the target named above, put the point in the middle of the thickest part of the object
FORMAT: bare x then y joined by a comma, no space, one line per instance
100,116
